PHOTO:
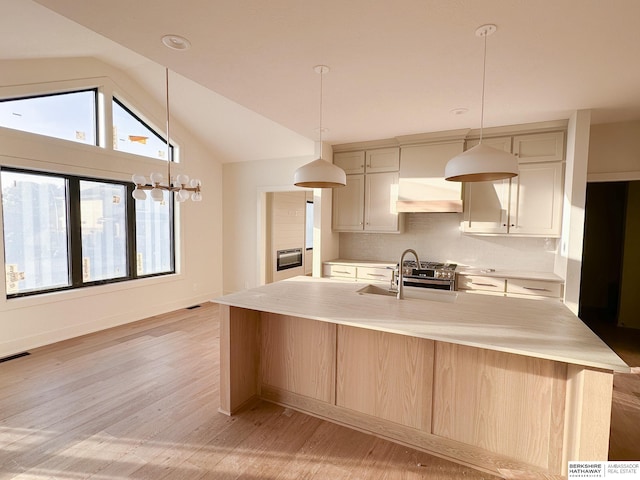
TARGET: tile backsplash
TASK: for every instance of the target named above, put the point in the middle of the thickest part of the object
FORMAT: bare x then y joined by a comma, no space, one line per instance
437,237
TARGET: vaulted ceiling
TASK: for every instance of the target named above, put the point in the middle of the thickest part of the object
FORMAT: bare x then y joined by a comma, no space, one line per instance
397,68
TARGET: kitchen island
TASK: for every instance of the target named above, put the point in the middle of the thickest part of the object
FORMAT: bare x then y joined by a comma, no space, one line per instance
491,382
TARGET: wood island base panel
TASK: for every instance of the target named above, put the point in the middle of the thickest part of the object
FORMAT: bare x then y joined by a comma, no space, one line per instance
478,405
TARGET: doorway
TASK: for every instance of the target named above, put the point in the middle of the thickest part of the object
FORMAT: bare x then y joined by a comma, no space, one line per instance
611,255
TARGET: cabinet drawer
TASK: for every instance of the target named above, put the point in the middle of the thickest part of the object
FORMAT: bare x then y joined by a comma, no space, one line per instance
374,274
475,282
346,271
534,287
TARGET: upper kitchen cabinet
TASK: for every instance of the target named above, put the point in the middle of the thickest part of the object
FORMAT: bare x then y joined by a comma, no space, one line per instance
422,186
539,147
369,161
534,147
527,205
368,202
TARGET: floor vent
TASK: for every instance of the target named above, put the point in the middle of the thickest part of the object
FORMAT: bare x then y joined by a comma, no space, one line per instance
193,306
13,357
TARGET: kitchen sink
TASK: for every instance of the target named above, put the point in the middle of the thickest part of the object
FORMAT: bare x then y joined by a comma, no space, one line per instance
412,292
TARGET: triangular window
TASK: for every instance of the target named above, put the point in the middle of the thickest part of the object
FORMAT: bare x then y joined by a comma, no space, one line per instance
132,135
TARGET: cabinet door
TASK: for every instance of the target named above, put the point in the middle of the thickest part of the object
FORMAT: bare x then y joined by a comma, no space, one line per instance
485,207
536,200
381,195
501,143
539,147
350,162
385,375
383,160
348,205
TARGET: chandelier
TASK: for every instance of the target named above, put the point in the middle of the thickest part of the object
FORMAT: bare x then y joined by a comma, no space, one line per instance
181,185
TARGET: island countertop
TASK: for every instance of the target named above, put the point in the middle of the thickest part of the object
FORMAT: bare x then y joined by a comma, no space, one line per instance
536,328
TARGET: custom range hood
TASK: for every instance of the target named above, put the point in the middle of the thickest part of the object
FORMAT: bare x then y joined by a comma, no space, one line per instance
422,187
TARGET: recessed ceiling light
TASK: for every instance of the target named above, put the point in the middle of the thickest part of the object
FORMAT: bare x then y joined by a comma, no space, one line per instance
176,42
459,111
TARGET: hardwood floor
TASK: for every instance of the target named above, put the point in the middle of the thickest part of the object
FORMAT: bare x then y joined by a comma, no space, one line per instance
140,401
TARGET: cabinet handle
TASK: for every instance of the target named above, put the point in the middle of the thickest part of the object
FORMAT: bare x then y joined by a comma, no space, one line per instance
375,274
504,224
537,289
341,271
484,284
513,224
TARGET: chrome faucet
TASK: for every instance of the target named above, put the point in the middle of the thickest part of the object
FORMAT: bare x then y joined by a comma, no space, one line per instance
401,273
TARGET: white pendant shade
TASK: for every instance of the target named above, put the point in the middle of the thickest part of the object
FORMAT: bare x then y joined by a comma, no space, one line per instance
319,174
480,164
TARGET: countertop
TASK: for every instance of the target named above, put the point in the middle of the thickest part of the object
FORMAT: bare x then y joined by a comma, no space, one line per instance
536,328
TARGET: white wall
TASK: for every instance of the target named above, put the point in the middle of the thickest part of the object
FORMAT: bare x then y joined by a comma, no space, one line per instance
29,322
243,189
613,152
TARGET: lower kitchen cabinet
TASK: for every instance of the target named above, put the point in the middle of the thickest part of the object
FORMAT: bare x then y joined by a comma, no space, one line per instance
297,356
510,287
385,375
362,273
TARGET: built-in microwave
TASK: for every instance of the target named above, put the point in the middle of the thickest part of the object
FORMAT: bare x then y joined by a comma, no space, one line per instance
286,259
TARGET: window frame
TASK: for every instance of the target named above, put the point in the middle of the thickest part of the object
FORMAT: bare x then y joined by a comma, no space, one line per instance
74,234
96,112
115,99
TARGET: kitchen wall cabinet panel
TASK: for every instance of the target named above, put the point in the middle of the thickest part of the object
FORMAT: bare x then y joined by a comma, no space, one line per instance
368,201
385,375
533,147
381,194
348,205
382,160
350,162
536,200
528,205
539,147
369,161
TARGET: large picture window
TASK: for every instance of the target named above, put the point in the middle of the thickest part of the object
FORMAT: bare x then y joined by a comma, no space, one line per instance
63,231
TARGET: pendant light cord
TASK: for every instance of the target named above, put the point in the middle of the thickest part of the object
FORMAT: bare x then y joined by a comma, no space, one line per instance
321,75
166,70
484,74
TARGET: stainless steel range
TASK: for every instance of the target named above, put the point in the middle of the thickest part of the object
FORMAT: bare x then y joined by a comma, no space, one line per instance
437,275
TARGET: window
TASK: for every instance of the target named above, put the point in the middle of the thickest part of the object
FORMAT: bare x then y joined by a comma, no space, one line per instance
308,236
132,135
36,242
104,230
154,239
69,116
63,231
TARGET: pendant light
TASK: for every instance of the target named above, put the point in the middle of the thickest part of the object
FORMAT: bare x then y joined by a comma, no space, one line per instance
482,162
181,185
320,173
